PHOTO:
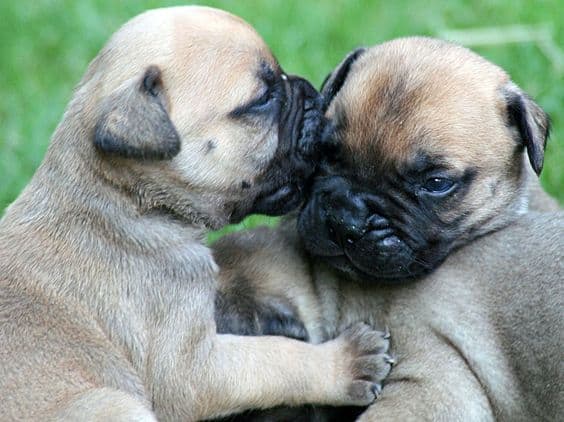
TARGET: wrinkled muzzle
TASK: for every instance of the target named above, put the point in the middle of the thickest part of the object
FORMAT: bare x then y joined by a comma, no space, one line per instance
370,234
300,148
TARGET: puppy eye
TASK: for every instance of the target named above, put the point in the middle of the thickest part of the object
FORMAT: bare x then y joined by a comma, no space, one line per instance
264,99
438,185
266,103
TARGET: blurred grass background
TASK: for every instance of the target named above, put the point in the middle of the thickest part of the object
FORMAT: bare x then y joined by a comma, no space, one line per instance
47,44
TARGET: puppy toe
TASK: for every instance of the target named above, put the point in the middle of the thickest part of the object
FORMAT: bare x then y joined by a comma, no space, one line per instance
374,368
365,340
377,389
363,393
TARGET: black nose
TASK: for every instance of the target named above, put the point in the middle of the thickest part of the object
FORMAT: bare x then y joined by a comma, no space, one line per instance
346,217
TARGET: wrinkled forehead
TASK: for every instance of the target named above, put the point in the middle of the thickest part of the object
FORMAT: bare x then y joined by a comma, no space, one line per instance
398,105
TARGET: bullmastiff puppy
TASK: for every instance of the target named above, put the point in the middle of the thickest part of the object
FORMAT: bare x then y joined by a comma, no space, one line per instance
422,222
183,122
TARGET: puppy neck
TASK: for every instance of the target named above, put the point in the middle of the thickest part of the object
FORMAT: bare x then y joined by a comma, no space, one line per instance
520,196
73,187
68,214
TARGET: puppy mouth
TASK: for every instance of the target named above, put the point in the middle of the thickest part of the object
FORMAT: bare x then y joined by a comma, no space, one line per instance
374,255
346,261
344,264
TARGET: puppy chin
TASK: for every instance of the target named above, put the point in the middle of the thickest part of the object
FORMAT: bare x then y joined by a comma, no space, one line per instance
355,268
351,264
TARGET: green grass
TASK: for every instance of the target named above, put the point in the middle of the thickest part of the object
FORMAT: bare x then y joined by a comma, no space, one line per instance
46,46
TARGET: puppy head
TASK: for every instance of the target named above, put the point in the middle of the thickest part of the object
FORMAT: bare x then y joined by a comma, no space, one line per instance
189,112
432,141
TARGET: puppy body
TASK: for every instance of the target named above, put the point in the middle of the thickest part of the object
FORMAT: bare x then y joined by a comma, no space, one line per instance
429,222
478,339
106,287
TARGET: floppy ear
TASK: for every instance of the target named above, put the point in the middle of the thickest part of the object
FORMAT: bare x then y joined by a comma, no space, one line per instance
335,80
134,122
532,123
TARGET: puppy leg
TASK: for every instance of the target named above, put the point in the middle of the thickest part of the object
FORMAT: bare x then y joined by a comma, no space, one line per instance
236,373
239,311
103,404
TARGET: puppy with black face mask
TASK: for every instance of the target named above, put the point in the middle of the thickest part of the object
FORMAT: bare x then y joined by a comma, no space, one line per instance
427,220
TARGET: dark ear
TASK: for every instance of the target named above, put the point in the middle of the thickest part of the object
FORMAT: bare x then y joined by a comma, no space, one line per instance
531,122
134,122
335,80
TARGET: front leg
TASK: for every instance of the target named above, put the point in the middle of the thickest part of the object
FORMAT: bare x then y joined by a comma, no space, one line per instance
228,374
265,288
238,311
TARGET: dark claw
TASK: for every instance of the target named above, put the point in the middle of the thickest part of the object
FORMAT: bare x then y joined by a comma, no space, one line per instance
376,389
390,360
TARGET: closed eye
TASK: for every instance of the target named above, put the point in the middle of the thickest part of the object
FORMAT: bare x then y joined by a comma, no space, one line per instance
264,99
272,94
263,103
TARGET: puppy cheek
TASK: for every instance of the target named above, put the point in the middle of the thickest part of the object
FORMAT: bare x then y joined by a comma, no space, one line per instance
241,152
264,150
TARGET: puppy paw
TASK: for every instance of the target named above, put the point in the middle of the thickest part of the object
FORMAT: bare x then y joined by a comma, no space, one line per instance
368,362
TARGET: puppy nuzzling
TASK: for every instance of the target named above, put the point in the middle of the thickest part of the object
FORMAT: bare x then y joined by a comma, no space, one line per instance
183,122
